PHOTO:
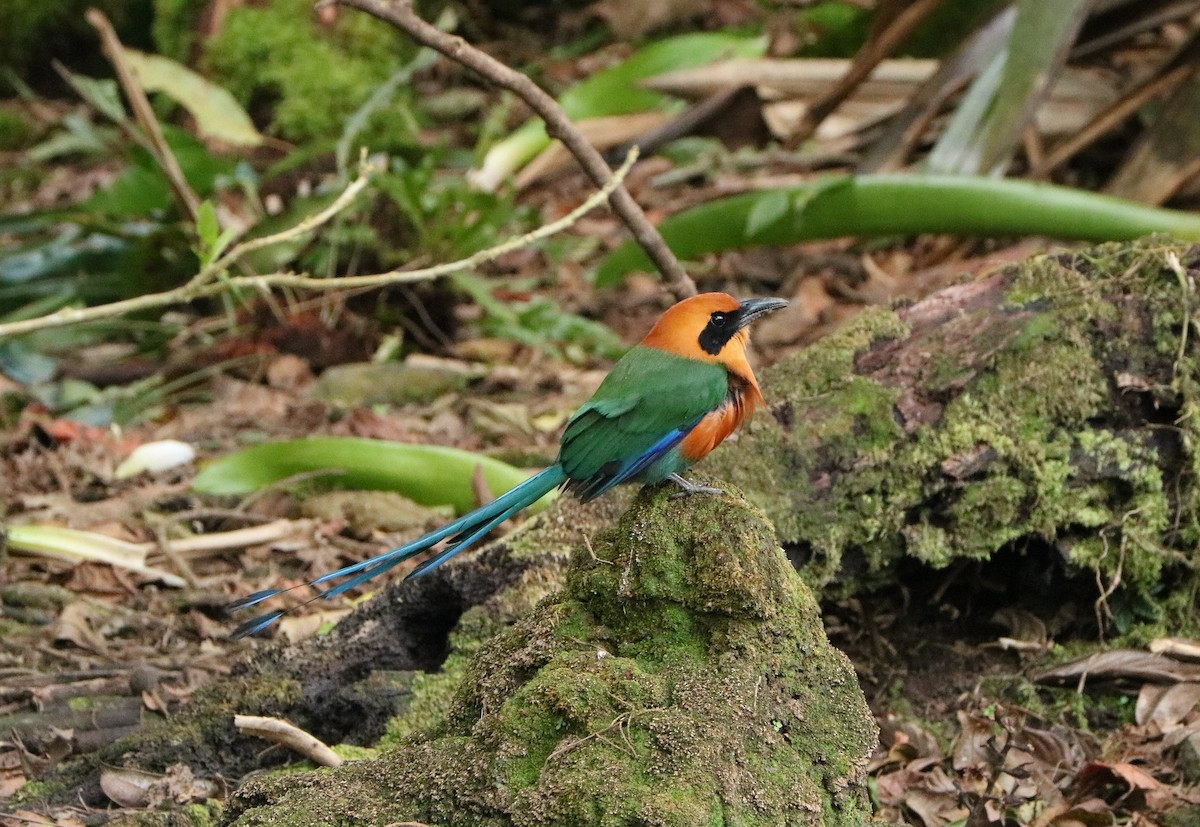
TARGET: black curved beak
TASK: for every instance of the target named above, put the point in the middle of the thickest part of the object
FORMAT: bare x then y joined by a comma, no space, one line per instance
752,309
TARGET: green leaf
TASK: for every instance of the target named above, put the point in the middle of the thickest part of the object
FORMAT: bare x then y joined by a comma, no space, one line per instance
984,132
207,229
18,361
766,211
102,94
887,205
217,113
427,474
616,91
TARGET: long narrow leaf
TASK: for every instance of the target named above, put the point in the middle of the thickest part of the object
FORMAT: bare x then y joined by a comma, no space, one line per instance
981,137
882,205
428,474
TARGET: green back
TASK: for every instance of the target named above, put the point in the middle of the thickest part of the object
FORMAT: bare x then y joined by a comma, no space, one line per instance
649,394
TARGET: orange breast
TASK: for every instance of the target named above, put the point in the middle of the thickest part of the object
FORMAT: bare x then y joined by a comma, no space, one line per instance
722,422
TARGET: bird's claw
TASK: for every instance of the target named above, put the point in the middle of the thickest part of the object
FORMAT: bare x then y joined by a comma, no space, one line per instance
688,488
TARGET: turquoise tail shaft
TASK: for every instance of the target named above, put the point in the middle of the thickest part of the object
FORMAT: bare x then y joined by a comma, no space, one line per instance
463,533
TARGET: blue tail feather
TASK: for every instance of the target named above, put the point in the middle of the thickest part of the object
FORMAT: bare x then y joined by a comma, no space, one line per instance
254,599
465,532
463,541
256,624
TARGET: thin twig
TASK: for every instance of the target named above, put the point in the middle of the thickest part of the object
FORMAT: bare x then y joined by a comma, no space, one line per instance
1103,123
203,285
873,52
400,13
144,113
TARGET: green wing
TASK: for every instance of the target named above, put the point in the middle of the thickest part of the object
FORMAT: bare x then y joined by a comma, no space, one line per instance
644,407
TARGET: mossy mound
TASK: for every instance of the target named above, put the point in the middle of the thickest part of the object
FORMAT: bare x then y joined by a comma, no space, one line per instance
1050,408
681,678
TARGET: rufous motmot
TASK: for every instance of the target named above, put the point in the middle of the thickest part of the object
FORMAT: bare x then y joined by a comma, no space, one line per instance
666,404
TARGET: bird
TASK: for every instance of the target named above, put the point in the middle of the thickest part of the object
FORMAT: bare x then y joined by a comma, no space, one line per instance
664,406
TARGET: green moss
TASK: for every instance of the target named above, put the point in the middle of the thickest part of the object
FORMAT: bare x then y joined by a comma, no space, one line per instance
82,704
350,752
992,427
681,678
35,791
176,23
311,77
203,815
189,815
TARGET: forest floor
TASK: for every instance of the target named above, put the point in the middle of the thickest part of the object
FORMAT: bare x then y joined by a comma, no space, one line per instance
969,732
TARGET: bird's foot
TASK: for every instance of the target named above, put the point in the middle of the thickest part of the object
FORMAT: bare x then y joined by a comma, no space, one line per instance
688,488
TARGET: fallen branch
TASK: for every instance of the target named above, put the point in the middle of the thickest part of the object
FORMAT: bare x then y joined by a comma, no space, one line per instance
400,13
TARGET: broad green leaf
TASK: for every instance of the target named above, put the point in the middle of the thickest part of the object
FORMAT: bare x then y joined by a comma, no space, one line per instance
217,113
886,205
615,91
79,135
101,93
427,474
18,361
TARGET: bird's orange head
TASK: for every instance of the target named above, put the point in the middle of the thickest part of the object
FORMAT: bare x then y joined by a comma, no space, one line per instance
711,327
714,327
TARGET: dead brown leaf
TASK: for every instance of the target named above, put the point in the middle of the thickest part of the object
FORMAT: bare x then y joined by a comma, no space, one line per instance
76,624
1120,664
1166,707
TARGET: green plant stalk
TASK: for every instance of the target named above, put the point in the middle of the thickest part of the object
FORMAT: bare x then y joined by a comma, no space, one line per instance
427,474
883,205
77,546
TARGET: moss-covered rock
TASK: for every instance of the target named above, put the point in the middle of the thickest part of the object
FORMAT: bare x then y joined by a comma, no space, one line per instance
681,678
1050,407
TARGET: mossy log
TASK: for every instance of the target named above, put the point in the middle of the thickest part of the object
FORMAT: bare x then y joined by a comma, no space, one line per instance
1049,408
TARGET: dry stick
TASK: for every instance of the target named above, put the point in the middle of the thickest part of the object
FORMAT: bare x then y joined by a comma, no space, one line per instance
202,284
400,13
875,50
143,112
288,735
1116,112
